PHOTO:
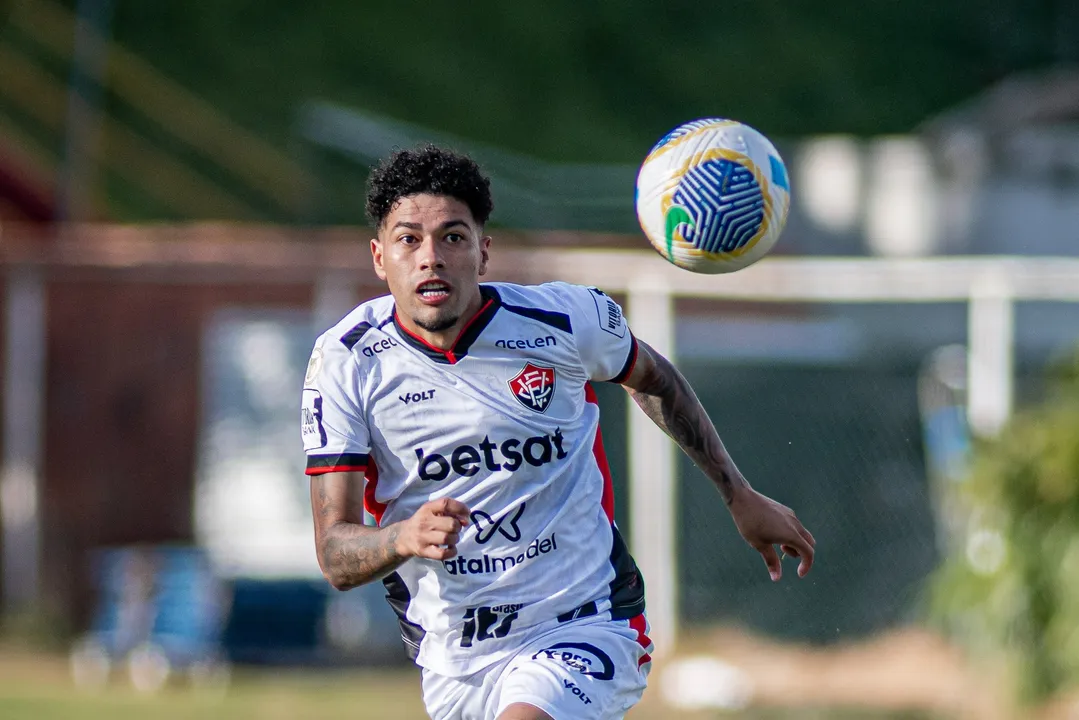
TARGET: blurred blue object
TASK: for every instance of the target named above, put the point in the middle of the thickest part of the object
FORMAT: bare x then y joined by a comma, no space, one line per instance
160,611
947,442
124,579
275,621
305,622
191,605
946,438
163,612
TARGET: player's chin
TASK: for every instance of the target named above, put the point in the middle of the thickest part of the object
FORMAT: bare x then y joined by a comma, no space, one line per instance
435,319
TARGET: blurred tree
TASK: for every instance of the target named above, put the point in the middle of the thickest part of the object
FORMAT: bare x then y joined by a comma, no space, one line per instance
592,82
1014,593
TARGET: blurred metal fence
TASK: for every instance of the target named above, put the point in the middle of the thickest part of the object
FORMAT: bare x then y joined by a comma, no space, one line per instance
529,192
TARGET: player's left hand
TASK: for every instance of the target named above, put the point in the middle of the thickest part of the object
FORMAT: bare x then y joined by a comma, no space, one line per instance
764,523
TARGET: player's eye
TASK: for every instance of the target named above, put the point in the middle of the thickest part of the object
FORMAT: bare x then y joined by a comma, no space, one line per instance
407,239
455,237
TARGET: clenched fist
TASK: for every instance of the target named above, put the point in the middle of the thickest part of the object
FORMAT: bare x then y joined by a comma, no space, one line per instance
433,531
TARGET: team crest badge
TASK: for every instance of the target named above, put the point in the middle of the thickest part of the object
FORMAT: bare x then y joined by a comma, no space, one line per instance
533,387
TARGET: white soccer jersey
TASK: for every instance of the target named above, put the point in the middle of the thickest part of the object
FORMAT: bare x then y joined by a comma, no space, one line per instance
505,422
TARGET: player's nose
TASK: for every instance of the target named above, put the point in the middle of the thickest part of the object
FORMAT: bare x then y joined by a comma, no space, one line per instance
430,255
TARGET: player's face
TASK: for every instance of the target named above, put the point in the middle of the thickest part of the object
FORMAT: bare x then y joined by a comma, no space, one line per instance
431,253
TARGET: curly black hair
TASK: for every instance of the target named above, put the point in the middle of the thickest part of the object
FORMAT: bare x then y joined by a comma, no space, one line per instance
432,170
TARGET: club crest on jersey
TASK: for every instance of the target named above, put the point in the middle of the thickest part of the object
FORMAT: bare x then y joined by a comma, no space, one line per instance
533,387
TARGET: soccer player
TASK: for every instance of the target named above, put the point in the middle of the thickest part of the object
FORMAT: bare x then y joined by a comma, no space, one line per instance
460,415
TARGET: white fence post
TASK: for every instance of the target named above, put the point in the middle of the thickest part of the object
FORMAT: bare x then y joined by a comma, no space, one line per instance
652,490
24,399
990,351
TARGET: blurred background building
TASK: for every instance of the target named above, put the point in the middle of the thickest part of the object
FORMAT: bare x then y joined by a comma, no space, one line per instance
181,213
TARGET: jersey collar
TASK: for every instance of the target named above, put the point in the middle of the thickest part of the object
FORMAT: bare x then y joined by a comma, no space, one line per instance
467,336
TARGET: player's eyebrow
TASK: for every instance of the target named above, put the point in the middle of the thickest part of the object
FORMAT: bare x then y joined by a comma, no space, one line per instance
419,226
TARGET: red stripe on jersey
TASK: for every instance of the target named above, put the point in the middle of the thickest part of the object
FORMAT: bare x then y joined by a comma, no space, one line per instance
641,625
468,324
416,337
370,504
334,468
607,499
451,358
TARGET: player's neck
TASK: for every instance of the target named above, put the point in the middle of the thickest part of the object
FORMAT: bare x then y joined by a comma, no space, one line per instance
444,339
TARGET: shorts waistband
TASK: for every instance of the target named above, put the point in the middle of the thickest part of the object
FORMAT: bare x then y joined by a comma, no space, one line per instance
587,610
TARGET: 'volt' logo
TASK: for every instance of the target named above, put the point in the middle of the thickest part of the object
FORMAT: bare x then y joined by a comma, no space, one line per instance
416,396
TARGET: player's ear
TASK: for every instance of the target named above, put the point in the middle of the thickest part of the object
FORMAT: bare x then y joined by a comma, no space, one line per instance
485,255
376,258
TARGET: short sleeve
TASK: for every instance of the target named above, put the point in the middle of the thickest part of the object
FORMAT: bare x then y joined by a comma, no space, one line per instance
332,425
605,344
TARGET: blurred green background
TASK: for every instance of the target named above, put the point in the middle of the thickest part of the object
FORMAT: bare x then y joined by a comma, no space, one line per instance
558,81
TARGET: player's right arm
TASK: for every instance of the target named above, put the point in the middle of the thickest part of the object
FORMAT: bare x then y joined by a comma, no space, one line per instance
338,446
351,553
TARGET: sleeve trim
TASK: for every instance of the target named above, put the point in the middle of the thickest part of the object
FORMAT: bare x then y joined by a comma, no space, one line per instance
339,468
340,462
631,362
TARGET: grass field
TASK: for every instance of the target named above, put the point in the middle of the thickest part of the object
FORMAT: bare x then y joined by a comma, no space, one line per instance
38,688
37,685
907,675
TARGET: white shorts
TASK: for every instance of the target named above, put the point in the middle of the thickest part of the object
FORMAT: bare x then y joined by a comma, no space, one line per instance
580,671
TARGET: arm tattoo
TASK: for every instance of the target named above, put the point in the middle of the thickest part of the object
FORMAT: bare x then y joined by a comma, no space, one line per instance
357,554
350,553
667,398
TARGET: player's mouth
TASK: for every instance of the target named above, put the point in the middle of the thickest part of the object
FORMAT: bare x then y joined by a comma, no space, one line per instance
433,292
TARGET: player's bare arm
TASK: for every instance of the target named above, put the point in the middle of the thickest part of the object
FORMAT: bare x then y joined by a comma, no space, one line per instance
666,397
351,553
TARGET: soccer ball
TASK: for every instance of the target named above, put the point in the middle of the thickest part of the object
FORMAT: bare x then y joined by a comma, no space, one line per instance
712,196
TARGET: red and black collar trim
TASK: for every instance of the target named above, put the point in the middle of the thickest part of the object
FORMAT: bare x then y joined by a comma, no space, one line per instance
468,335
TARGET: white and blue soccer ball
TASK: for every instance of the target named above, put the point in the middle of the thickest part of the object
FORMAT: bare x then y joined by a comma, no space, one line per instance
713,195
